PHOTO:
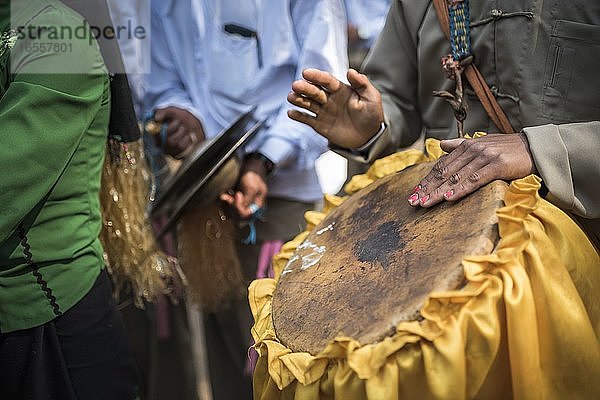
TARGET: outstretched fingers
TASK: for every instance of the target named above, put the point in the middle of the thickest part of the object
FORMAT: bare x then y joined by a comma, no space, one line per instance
303,102
357,80
310,91
309,120
362,85
323,79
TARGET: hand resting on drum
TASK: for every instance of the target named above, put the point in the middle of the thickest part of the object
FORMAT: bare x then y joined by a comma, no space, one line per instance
347,116
183,132
471,164
252,189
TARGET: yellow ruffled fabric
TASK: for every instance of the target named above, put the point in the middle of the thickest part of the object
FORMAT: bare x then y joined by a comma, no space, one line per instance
526,326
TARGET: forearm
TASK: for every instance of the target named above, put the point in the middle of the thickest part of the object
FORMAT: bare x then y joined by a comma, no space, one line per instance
289,144
164,85
321,38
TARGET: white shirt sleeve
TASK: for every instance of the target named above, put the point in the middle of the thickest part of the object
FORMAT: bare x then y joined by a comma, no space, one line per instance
320,29
368,16
164,87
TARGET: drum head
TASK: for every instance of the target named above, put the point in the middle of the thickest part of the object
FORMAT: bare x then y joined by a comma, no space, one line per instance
374,260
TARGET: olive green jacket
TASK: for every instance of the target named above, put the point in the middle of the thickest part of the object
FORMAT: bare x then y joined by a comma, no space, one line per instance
54,112
541,60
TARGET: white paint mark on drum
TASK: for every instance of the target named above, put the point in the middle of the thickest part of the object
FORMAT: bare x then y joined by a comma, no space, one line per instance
327,228
309,255
288,267
312,259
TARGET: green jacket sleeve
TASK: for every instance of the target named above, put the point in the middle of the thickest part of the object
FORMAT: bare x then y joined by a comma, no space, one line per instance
43,116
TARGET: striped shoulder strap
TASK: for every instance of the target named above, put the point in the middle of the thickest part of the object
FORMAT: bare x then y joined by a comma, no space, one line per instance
454,20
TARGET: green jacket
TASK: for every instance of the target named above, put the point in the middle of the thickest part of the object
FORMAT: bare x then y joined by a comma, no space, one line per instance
54,113
540,58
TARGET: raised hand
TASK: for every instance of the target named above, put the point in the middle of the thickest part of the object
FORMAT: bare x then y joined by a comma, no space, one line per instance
183,132
347,116
471,164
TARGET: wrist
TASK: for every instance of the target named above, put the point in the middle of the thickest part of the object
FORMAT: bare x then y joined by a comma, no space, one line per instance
523,137
259,164
373,138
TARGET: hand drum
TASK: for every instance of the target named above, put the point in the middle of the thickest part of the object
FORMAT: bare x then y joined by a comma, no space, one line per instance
373,261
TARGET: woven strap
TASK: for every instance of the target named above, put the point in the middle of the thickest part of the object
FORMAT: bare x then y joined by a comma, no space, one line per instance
483,92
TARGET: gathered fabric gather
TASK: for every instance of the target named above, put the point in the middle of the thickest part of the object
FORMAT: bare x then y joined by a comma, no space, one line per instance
525,326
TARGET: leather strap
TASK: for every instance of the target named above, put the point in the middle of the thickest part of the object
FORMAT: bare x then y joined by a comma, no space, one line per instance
483,92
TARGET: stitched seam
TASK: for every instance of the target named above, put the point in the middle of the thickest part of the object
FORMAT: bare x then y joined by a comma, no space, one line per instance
35,271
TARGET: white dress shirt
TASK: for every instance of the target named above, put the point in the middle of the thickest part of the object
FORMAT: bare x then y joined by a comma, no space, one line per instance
216,58
368,16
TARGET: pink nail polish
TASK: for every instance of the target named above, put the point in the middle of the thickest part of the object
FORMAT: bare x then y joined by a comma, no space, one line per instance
449,194
417,188
413,199
424,199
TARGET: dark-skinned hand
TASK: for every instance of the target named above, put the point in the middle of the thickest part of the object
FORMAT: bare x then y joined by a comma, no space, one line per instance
347,116
252,188
471,164
184,131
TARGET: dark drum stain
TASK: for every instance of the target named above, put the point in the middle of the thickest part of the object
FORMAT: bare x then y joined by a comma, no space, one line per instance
378,246
368,210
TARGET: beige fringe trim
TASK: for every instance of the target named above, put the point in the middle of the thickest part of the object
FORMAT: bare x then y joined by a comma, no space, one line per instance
131,252
207,238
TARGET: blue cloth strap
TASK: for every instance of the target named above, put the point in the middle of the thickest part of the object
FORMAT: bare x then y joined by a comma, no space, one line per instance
460,35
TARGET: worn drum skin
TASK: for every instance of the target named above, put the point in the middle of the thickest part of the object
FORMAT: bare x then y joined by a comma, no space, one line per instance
374,260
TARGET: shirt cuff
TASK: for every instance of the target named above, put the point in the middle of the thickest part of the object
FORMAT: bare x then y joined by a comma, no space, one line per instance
551,159
277,150
380,145
365,147
183,105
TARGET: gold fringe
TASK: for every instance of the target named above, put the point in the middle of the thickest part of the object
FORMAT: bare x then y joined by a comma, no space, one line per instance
207,252
131,252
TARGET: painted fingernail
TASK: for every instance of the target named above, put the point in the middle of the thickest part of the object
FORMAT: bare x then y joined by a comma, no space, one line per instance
424,199
414,199
449,194
417,188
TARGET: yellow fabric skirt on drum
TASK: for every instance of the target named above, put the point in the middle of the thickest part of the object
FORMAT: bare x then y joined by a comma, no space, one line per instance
526,325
